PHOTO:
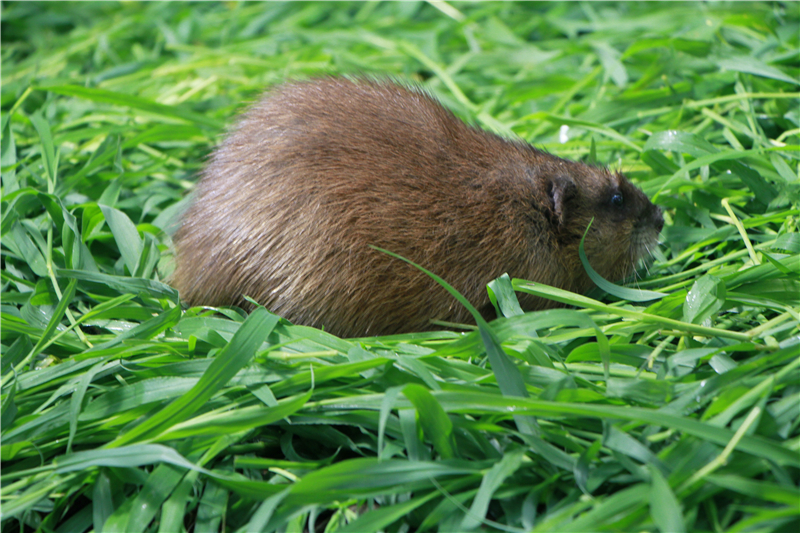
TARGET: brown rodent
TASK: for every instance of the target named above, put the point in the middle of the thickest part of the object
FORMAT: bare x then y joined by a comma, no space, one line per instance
317,171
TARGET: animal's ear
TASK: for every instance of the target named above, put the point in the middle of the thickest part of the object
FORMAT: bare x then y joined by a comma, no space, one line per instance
561,190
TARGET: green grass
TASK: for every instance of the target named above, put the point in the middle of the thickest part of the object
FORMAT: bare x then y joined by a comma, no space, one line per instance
121,411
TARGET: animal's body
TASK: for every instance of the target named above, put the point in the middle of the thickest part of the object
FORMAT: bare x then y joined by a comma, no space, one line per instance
316,171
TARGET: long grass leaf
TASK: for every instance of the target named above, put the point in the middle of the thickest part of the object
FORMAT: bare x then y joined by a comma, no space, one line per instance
233,357
127,100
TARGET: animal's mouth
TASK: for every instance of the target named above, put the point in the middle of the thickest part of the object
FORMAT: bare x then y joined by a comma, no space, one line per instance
646,233
642,245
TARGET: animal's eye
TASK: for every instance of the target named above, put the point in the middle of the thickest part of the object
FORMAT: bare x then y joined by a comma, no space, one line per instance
617,200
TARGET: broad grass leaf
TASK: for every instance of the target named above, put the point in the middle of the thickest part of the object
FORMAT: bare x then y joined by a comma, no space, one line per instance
692,235
782,168
211,508
174,508
705,299
30,496
664,506
304,338
55,319
601,512
8,157
149,257
784,291
695,48
447,514
166,133
763,490
581,470
54,419
615,439
659,162
714,157
780,266
751,65
123,284
19,326
126,235
761,273
15,353
418,368
579,395
9,408
627,354
304,380
502,296
680,141
135,102
381,518
102,500
554,389
651,391
123,457
146,330
54,208
434,421
763,190
688,358
591,159
76,402
202,326
242,461
552,455
106,151
135,516
371,476
722,363
10,217
491,482
76,254
265,394
56,373
137,394
246,487
24,201
585,124
234,421
387,404
536,354
92,223
610,59
21,244
258,522
169,218
250,336
412,436
110,195
48,148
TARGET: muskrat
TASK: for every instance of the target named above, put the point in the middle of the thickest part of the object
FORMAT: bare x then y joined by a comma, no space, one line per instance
317,171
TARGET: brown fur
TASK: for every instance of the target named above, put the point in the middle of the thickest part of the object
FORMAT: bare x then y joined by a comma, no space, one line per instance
316,171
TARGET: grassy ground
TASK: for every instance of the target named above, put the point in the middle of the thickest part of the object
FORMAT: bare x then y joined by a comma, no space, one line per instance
121,411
